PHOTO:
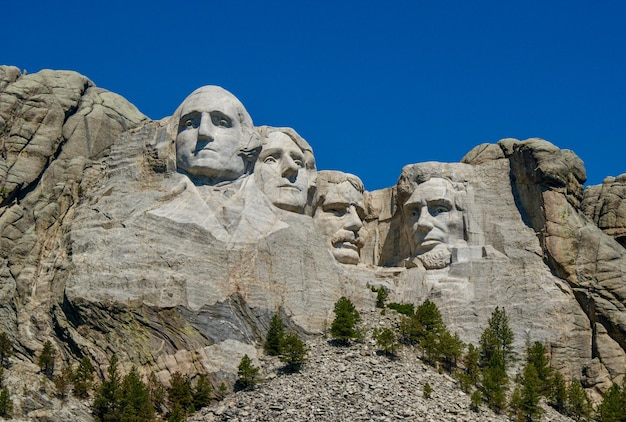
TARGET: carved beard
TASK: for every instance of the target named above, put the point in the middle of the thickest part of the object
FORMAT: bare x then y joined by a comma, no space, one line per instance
437,258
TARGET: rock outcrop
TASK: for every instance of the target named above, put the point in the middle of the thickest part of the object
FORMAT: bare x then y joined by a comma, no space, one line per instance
605,204
108,246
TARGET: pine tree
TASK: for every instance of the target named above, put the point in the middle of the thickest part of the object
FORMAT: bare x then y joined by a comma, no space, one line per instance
496,348
247,374
107,398
293,353
344,326
536,355
157,392
558,393
180,392
610,410
275,336
381,297
63,381
531,393
6,349
498,334
411,330
429,317
82,378
387,341
472,370
135,403
476,399
46,359
6,404
202,392
428,391
222,392
578,404
450,349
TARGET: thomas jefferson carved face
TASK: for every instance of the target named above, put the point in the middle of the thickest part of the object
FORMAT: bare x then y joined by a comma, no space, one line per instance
213,130
432,219
281,172
338,215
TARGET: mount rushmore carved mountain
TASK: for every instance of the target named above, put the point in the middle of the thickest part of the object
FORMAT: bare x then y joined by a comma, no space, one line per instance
172,243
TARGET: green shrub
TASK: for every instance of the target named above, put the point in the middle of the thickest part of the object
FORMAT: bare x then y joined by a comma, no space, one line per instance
402,308
344,326
247,374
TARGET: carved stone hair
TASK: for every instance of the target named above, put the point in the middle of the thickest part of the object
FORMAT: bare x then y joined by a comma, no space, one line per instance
325,178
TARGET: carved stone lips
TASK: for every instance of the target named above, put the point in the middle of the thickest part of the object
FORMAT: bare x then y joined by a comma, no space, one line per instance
346,245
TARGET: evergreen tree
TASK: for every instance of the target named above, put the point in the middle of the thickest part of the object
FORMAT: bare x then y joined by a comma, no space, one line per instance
411,330
498,335
558,393
6,404
202,392
610,410
496,348
428,391
530,394
63,381
476,399
293,353
387,341
536,355
177,414
450,349
429,317
472,370
275,336
578,404
83,378
135,402
222,392
344,326
381,297
180,392
107,398
6,349
46,359
247,374
157,392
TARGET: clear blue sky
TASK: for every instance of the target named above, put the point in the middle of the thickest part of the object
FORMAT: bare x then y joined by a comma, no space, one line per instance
372,85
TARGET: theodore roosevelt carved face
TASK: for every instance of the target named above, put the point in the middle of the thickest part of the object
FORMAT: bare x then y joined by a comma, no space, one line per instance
338,213
433,222
215,139
285,170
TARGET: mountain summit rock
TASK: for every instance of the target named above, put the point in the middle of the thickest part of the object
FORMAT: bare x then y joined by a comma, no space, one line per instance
172,243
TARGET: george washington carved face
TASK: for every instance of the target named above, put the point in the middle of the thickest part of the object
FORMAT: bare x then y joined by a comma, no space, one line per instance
214,132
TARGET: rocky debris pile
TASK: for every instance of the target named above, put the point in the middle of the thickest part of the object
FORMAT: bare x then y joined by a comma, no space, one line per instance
355,383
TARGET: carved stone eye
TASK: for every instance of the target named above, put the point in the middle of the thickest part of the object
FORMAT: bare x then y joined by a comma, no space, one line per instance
439,209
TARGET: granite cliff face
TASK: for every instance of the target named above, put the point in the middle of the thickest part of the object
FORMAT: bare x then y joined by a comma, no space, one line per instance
114,240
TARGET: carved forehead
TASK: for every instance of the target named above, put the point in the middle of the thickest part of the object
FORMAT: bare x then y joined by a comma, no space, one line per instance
435,189
343,193
211,98
267,132
279,141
